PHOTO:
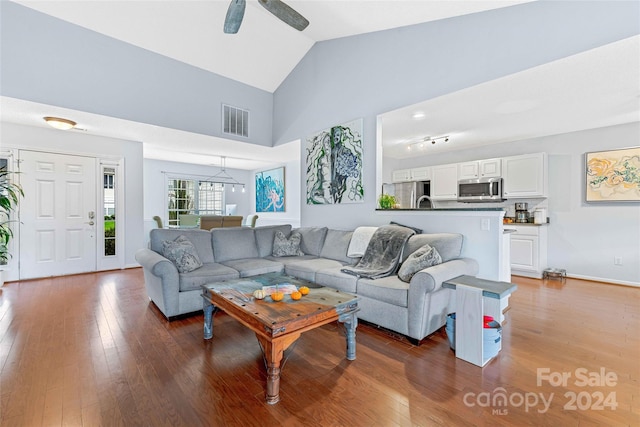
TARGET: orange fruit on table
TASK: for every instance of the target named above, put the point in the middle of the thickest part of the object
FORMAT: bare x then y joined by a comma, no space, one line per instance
296,295
277,296
303,290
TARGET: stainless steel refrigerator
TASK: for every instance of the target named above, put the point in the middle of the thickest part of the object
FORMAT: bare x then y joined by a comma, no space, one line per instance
406,193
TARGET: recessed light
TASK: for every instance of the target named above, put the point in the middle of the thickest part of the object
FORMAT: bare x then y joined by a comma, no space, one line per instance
418,115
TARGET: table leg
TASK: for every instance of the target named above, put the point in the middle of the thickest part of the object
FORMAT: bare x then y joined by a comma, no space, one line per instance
273,353
350,323
209,310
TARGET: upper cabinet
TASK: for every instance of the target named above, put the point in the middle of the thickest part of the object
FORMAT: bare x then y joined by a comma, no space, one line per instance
421,174
444,182
487,168
525,176
415,174
401,175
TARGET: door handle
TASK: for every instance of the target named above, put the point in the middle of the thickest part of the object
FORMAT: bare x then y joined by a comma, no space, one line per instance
90,223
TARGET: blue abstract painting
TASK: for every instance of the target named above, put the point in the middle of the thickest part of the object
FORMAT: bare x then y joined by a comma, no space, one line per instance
334,165
270,190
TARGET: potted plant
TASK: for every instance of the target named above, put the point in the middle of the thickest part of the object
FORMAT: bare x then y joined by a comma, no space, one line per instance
10,193
387,201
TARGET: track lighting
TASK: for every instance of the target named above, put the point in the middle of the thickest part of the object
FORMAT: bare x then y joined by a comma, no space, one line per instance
418,143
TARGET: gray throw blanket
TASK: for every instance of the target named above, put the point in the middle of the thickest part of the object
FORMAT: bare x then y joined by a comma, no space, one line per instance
383,253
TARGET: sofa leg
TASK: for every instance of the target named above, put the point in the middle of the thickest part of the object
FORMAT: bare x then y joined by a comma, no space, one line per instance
415,341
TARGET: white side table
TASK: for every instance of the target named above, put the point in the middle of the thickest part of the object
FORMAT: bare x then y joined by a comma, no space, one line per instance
475,298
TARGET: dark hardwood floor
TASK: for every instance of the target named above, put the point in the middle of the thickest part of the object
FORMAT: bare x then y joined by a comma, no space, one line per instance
92,350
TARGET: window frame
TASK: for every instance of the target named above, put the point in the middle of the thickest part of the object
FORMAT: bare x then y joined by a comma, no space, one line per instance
195,206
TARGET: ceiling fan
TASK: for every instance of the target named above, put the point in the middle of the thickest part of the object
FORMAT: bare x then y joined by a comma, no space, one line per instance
285,13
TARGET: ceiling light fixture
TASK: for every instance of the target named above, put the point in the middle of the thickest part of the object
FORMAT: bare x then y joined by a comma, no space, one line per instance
419,143
224,178
418,115
59,123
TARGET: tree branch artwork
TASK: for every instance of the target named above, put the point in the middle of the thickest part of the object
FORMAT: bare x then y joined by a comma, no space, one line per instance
334,165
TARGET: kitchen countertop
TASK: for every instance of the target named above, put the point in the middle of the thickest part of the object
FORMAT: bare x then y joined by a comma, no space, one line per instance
443,209
526,224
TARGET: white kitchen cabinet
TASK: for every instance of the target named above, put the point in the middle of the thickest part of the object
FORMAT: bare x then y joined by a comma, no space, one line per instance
444,182
528,250
401,175
487,168
525,176
490,168
414,174
421,174
468,170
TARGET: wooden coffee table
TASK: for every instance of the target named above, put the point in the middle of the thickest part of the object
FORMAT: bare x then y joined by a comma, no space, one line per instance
277,325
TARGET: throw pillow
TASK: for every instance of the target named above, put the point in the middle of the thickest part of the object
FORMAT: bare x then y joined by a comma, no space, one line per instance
425,256
286,247
417,230
182,254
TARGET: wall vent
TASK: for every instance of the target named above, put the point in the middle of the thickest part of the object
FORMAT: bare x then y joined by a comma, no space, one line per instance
235,121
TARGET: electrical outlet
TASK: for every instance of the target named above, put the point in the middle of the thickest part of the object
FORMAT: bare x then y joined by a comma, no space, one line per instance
617,260
485,224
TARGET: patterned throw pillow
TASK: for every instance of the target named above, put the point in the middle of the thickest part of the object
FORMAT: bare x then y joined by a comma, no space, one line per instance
425,256
286,247
182,253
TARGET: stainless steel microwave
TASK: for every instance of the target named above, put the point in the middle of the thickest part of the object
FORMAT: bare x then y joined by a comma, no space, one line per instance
480,190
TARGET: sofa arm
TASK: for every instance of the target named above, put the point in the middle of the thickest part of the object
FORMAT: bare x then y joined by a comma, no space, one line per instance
161,280
430,279
428,303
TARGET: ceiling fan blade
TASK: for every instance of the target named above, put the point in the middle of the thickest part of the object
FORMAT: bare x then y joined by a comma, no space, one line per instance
285,13
235,13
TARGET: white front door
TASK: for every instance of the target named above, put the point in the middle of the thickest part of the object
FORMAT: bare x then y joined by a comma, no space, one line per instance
58,214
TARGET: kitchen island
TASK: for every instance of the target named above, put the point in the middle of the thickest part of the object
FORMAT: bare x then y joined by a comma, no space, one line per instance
482,228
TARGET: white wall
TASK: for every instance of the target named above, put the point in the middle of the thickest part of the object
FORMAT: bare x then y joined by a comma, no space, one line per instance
72,142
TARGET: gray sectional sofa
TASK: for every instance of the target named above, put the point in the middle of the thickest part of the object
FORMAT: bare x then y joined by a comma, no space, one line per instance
415,309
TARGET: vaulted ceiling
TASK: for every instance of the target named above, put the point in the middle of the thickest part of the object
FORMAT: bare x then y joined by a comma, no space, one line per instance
535,102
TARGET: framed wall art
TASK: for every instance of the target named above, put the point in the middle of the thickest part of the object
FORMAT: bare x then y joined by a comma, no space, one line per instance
613,176
270,191
334,165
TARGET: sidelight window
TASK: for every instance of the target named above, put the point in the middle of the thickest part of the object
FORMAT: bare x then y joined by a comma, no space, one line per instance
109,206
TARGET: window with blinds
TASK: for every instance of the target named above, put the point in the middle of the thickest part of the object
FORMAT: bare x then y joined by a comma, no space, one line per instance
193,197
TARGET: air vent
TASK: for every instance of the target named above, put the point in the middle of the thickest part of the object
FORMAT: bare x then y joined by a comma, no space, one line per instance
235,121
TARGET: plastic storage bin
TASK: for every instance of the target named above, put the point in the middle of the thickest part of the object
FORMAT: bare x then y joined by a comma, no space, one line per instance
491,335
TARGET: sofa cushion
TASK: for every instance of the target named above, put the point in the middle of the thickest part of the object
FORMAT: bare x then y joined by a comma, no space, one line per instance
425,256
254,266
448,245
201,239
209,272
387,289
334,278
182,254
284,246
290,259
233,243
265,235
336,244
312,239
307,269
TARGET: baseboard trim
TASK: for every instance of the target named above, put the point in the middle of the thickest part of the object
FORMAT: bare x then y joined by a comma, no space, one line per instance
606,280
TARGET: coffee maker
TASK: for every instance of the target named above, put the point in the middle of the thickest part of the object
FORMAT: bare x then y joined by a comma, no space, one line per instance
522,212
